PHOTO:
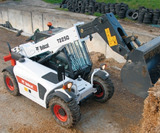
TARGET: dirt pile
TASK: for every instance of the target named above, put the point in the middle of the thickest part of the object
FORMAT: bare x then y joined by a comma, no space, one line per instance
98,58
151,112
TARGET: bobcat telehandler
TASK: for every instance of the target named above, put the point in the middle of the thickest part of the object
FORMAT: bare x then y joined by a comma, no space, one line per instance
54,70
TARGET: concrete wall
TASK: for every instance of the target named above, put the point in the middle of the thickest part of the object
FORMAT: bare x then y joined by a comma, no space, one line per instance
29,20
4,12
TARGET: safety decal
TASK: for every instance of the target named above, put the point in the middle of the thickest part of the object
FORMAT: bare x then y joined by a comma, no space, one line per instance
27,83
112,40
25,89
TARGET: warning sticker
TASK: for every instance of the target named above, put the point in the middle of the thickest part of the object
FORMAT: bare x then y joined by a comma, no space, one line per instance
112,40
27,83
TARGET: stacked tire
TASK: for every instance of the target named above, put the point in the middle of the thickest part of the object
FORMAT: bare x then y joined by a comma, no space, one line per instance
142,12
156,16
142,15
123,10
91,6
158,21
148,18
117,7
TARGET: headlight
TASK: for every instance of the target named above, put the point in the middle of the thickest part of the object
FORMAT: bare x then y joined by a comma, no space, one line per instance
103,66
68,85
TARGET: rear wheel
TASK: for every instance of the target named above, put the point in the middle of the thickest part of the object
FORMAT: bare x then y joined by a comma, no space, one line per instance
10,83
65,114
105,89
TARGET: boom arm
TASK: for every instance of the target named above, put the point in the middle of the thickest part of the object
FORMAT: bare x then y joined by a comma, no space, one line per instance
141,69
111,31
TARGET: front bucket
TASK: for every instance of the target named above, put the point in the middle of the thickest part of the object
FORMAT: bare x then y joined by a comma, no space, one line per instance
142,68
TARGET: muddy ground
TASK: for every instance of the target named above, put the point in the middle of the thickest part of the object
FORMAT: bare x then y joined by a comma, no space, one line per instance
19,114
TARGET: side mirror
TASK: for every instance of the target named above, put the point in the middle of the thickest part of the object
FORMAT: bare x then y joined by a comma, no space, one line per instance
90,37
9,47
61,73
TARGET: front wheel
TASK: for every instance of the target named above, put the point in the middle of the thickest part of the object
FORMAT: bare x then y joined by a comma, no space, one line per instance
10,83
105,89
65,114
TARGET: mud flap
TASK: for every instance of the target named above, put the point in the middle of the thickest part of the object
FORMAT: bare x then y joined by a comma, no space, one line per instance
142,69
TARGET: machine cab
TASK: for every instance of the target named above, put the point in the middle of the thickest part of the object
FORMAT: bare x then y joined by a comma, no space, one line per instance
73,56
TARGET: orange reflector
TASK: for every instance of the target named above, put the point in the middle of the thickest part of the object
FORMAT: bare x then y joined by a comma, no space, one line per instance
7,57
49,24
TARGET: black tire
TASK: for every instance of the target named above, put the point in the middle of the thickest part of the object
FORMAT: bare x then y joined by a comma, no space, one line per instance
82,10
148,18
122,14
117,8
129,13
107,9
156,15
105,89
99,8
11,83
141,16
158,21
135,15
65,114
112,8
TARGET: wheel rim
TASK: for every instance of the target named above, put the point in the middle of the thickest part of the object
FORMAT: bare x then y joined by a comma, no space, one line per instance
100,90
9,84
60,113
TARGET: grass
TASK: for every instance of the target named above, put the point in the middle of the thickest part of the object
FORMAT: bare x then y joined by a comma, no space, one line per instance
62,9
97,14
53,1
133,4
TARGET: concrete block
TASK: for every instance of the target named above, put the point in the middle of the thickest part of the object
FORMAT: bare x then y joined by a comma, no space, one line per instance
27,22
111,54
48,17
15,18
37,21
65,21
97,44
1,19
4,15
58,21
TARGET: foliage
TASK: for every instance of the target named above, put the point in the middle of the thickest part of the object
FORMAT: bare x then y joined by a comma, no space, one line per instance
53,1
133,4
97,14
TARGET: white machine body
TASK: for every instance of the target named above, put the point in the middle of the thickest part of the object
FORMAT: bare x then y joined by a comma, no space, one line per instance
37,81
30,76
